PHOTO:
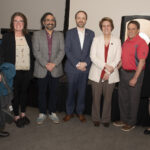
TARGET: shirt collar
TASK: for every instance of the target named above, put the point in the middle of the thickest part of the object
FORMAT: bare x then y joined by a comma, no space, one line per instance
134,39
80,30
48,35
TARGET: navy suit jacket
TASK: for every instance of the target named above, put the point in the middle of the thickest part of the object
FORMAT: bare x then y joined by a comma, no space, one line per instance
73,50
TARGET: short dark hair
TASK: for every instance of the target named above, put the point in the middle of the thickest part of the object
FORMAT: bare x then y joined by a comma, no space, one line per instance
43,19
81,11
20,14
135,23
106,19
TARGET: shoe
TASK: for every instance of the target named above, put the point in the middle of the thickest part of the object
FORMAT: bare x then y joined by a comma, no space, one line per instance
96,123
119,123
127,127
68,117
4,134
106,124
147,131
19,123
25,120
81,118
54,118
41,118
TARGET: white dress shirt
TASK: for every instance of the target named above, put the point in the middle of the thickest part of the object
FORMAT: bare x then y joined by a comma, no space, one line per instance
81,37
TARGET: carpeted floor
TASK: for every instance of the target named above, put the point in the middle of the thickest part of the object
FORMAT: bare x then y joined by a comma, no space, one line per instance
72,135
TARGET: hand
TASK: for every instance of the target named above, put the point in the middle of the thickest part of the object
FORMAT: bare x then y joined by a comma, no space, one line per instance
133,82
50,66
81,66
106,76
109,68
119,65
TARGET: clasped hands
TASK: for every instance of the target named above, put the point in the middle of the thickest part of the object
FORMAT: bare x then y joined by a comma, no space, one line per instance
50,66
81,66
108,70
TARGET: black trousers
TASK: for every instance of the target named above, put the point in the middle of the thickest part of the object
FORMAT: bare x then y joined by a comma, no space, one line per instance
47,88
21,84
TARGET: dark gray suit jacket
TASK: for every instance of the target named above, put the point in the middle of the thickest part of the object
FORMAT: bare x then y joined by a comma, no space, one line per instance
40,51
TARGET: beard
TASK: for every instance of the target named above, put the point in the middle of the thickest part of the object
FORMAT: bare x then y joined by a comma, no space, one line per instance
80,24
50,26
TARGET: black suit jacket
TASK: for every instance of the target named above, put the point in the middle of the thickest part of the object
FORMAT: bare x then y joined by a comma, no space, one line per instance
8,49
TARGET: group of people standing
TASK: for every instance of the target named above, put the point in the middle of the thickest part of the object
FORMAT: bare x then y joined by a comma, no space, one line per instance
87,57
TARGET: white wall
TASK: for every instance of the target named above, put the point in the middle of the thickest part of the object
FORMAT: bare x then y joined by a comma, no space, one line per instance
97,9
33,9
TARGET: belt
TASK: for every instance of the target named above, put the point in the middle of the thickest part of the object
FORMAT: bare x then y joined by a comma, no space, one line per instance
129,70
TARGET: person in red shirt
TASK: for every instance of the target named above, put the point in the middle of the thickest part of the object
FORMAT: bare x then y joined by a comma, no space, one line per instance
134,53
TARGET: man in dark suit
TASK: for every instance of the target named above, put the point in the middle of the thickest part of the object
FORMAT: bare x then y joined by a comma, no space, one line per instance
77,48
48,49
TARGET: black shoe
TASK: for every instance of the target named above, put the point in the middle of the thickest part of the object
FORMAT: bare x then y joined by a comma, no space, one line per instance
146,132
19,123
106,125
25,120
4,134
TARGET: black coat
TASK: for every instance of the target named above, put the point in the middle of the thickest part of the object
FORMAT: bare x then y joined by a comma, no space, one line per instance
8,49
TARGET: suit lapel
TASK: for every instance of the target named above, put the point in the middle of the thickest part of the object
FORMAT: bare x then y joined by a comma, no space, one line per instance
13,46
86,38
44,40
76,36
110,50
54,42
102,46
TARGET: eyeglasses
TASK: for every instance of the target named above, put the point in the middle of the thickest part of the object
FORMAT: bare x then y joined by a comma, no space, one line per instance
49,20
18,21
